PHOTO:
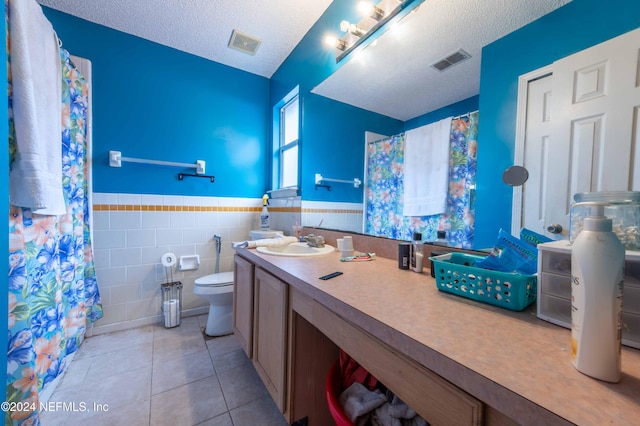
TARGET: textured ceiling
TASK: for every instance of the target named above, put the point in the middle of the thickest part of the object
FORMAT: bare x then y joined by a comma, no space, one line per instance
394,77
203,27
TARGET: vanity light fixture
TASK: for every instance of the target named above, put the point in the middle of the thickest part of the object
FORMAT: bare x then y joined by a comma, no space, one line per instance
376,17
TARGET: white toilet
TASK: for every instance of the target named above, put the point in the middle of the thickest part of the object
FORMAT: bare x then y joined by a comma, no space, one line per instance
217,289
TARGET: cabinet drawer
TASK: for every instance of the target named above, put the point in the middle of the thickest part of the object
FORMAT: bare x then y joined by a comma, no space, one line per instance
555,262
631,330
632,272
631,298
554,309
554,284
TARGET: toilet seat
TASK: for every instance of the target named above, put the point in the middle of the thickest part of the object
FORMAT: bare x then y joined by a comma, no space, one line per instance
215,280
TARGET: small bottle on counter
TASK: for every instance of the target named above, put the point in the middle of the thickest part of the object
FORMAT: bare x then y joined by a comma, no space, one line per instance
404,257
419,262
264,215
597,268
441,239
416,247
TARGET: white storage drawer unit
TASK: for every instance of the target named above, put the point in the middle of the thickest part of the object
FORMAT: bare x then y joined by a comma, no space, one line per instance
554,289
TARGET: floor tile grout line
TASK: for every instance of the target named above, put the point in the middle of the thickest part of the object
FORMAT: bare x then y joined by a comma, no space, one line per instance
157,334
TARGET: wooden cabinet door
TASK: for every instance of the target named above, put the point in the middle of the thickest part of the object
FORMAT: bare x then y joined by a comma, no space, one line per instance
243,303
270,333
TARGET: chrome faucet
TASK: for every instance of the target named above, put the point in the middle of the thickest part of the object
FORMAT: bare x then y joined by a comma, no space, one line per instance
314,240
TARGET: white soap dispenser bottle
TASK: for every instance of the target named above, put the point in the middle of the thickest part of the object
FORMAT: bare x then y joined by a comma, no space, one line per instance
597,273
264,215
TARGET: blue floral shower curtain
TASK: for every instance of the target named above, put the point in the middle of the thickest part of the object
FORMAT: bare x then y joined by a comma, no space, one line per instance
53,293
385,189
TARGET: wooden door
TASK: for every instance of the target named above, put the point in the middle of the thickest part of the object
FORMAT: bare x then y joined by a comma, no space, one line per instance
270,334
536,153
592,132
243,303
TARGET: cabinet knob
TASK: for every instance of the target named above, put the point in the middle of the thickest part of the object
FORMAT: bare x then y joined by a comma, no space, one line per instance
555,228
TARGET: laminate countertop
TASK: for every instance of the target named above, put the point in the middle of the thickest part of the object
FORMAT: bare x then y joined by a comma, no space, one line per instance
512,361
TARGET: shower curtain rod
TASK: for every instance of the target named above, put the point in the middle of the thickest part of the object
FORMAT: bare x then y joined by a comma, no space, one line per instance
464,115
453,118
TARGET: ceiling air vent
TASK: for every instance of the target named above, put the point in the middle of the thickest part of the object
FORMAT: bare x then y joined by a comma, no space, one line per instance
244,42
454,58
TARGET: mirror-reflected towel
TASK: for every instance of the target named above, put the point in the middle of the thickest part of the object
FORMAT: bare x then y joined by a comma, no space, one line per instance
426,169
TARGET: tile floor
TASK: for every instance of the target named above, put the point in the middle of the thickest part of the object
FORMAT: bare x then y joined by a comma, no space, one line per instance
157,376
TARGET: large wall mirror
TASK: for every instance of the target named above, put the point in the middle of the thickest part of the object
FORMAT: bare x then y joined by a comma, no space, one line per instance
401,74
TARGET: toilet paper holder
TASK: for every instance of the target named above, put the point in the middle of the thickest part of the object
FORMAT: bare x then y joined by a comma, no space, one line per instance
171,303
189,263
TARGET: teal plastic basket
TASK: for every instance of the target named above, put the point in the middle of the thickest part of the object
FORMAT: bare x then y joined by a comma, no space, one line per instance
455,273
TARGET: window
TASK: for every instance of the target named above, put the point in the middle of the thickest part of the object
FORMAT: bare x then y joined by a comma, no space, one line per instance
287,152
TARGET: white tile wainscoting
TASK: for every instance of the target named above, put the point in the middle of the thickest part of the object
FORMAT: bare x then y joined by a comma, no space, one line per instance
333,215
132,231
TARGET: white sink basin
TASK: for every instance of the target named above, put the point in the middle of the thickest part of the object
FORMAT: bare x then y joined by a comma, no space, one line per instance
297,250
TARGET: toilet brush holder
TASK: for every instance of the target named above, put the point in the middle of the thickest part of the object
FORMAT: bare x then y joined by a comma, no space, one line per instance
171,303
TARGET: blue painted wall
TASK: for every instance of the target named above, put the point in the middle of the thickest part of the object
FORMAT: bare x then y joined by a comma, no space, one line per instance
332,133
574,27
154,102
334,146
174,106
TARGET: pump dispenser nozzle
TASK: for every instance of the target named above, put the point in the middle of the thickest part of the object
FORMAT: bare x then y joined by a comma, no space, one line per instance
265,199
596,220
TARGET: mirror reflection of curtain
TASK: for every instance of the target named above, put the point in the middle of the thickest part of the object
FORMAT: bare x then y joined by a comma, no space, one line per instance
384,189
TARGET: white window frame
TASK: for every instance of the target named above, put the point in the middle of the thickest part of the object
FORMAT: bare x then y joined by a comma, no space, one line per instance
284,147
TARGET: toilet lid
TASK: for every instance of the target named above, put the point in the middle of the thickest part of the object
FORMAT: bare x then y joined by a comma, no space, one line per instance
215,280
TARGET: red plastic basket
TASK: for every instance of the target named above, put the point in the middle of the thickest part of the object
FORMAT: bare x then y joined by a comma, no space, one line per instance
333,387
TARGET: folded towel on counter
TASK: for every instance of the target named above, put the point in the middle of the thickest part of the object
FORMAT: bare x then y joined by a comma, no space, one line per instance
35,179
359,402
278,241
426,169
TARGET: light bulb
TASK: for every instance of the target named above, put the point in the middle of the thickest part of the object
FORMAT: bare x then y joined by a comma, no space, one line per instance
330,41
367,9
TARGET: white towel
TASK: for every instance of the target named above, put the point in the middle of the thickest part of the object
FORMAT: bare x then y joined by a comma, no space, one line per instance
35,180
426,169
359,402
278,241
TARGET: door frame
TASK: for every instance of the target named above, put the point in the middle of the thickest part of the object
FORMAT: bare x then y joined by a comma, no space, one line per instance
521,129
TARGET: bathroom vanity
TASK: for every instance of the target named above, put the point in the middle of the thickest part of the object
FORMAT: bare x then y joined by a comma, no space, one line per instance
453,360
